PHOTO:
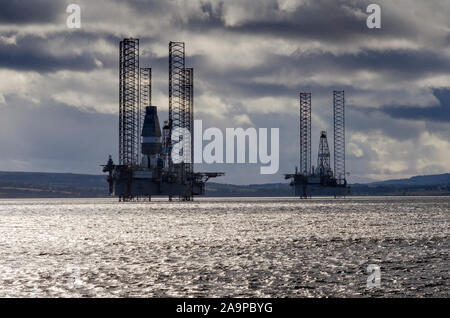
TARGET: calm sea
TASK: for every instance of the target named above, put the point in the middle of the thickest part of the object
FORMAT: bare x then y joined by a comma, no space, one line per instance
249,247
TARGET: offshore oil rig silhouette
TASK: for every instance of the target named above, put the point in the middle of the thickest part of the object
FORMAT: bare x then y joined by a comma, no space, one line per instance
146,164
321,176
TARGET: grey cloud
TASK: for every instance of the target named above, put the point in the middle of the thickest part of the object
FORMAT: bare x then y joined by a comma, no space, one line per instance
397,66
55,137
360,119
338,21
38,53
439,113
43,62
26,12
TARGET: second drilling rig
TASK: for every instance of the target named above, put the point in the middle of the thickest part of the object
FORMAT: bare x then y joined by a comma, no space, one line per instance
146,165
322,177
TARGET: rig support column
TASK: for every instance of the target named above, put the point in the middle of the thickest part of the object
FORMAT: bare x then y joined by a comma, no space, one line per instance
129,134
177,105
189,117
339,136
305,133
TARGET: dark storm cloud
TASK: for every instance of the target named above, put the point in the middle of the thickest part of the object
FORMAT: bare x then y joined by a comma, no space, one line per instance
321,20
440,113
399,65
27,12
369,121
331,21
41,61
149,7
41,54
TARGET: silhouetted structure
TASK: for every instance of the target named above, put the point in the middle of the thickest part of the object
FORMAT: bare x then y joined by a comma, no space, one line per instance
322,176
147,165
305,133
339,136
129,110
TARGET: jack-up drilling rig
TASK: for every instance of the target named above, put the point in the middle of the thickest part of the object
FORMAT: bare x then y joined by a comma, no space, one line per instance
146,165
322,176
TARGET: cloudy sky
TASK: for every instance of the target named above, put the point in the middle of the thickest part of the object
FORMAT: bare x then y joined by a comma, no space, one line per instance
59,86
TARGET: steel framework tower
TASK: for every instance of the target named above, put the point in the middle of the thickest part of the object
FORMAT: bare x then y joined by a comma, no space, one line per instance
177,105
129,128
339,136
323,157
145,89
189,116
145,94
139,129
305,133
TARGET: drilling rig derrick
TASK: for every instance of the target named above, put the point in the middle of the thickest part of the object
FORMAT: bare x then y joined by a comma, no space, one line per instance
148,164
322,176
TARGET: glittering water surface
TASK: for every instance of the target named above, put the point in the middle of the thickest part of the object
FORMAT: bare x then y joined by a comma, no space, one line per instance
250,247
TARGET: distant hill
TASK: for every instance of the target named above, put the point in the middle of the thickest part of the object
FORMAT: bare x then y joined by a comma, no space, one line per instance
70,185
54,185
438,184
283,190
418,180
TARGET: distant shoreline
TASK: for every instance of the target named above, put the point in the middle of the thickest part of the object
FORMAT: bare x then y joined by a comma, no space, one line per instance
18,185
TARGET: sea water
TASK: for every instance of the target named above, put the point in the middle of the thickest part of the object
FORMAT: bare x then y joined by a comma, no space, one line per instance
225,247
